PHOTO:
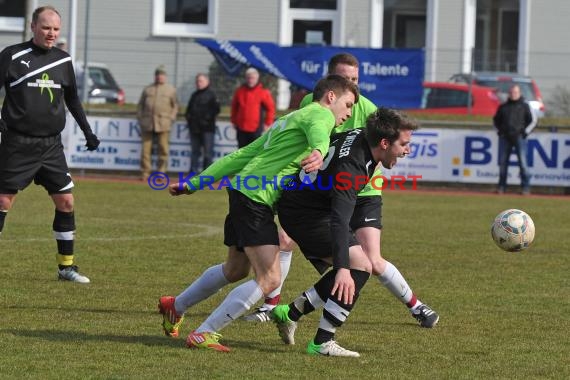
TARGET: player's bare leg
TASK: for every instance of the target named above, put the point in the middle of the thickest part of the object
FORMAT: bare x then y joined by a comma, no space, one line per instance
265,262
262,313
212,280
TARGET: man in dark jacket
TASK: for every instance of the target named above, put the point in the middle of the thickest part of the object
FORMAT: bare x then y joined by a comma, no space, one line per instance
514,121
203,107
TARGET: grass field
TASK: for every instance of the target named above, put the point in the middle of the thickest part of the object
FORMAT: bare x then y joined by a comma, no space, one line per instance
502,315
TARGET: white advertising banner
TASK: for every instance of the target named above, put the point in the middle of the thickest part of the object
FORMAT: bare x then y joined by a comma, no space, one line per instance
438,155
471,156
120,147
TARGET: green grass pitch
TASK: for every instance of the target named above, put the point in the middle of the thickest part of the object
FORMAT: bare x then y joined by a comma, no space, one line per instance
503,315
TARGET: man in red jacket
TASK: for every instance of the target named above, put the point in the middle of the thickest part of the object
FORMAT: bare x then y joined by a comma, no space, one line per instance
253,109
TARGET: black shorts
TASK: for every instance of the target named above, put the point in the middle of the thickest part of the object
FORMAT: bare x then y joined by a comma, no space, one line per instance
26,158
367,213
312,233
249,223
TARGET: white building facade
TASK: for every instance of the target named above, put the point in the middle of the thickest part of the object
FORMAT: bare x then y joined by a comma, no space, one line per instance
133,37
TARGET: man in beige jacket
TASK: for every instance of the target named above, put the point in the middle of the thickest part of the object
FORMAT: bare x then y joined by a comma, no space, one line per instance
156,111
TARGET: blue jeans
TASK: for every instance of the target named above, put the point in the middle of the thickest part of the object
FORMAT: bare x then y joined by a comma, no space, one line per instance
505,150
201,141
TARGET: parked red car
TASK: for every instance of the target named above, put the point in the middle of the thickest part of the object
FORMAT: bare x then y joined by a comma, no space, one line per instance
502,82
452,98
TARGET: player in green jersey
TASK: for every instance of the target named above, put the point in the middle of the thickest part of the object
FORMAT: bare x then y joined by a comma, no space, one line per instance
366,220
250,225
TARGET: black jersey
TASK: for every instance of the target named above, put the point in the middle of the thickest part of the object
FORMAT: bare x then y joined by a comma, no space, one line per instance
345,171
39,83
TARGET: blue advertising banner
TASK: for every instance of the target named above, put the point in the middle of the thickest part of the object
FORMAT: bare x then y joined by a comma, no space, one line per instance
388,77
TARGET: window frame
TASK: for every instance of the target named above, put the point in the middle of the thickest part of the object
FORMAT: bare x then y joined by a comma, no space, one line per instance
12,24
160,28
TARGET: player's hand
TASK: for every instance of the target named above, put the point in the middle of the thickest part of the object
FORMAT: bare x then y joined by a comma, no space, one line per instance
344,287
178,188
312,162
92,142
3,126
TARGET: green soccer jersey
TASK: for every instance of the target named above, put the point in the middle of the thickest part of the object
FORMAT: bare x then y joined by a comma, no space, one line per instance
360,112
260,167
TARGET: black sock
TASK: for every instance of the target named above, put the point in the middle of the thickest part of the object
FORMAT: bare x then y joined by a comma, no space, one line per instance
323,336
2,219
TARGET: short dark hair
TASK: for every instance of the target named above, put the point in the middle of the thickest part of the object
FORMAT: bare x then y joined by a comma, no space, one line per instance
340,59
38,11
386,123
337,84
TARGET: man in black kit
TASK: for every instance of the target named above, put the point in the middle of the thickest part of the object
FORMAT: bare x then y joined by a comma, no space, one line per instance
316,211
39,82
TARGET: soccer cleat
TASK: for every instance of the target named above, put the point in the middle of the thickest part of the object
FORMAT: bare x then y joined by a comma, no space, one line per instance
330,348
425,316
71,273
171,321
206,340
285,326
261,314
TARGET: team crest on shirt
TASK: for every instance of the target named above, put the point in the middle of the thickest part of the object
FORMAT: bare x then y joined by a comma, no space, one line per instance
45,84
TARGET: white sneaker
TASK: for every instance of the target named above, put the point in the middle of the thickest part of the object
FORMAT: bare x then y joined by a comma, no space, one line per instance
71,274
285,326
330,348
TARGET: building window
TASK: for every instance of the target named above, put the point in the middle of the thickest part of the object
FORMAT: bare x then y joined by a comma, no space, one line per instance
405,24
312,32
313,4
184,18
496,36
12,15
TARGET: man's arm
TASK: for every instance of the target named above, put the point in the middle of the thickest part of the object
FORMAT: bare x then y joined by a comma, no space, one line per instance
235,108
4,64
224,167
319,130
74,106
531,120
174,104
269,106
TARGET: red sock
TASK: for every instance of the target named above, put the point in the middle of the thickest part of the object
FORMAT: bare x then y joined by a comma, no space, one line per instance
412,302
273,300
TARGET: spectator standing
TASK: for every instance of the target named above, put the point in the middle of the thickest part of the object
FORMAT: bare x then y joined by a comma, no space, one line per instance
514,121
253,109
203,107
156,111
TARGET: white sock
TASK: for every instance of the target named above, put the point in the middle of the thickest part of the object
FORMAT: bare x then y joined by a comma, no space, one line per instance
237,303
209,283
397,285
285,258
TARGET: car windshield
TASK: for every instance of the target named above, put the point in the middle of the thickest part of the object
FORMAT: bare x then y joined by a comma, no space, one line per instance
527,90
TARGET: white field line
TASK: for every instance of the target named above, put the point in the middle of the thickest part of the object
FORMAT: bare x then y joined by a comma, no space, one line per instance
207,231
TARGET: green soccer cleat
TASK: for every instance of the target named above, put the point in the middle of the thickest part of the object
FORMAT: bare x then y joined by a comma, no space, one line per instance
206,341
330,348
171,321
285,325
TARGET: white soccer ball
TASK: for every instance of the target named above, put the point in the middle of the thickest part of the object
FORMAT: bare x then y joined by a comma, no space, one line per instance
513,230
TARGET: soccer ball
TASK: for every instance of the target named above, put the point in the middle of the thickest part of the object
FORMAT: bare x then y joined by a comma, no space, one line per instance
513,230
